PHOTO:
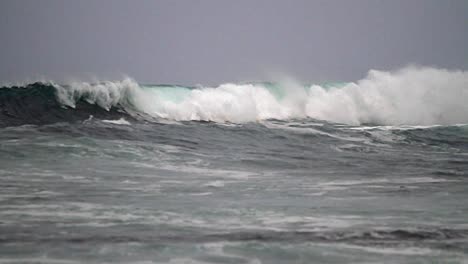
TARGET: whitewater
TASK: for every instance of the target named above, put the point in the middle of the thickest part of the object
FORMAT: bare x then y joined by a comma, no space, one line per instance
369,171
411,96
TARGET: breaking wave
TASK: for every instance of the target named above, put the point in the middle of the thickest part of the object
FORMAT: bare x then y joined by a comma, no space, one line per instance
409,96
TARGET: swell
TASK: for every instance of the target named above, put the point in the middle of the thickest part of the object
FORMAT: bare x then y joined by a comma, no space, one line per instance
409,96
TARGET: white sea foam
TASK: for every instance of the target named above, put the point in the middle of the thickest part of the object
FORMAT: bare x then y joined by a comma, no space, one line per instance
215,184
409,96
409,180
410,251
120,121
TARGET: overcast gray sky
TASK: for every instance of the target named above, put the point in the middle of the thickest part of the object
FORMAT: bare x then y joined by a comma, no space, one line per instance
215,41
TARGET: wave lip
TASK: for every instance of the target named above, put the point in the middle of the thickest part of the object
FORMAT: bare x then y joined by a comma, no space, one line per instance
39,103
409,96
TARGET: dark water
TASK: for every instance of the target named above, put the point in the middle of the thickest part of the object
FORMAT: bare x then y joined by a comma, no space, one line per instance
87,185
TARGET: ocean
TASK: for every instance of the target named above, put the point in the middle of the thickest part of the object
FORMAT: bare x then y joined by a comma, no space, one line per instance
371,171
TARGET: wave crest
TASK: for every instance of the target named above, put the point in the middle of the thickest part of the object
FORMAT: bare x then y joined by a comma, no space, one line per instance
410,96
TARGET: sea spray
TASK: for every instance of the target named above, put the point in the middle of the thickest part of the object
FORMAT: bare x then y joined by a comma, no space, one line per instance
412,96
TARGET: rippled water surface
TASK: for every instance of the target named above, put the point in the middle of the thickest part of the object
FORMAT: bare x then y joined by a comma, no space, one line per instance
297,191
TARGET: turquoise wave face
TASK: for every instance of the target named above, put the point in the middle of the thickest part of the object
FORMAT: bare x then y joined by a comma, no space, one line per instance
171,93
177,93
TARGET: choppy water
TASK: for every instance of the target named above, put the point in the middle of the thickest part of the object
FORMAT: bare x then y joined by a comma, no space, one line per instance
90,185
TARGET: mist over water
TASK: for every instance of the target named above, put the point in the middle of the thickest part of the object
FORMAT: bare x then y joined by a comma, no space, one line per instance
275,172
